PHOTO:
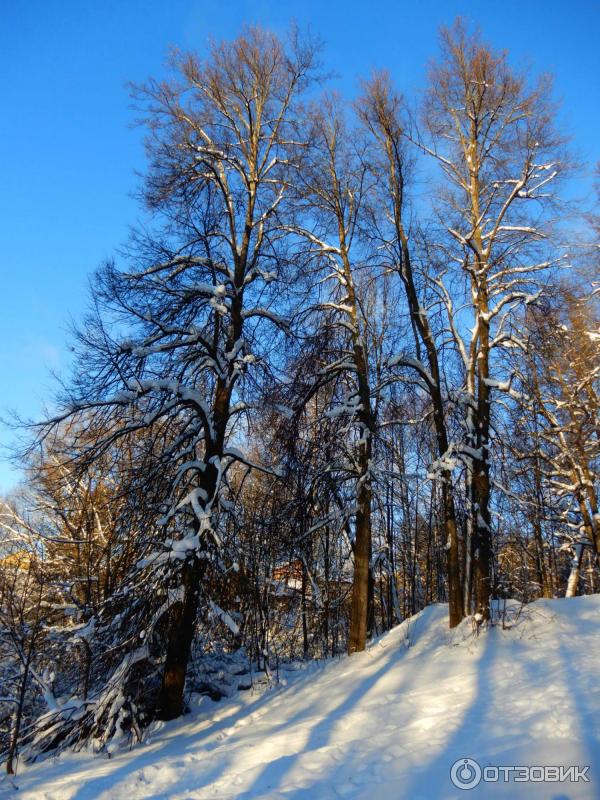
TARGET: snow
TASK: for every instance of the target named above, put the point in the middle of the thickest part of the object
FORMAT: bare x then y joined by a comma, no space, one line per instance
225,618
388,723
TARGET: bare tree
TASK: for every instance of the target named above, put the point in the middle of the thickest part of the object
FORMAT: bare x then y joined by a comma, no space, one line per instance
380,110
333,197
492,136
561,389
24,612
189,308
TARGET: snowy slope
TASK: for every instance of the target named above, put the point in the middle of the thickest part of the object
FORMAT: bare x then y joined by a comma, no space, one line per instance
388,723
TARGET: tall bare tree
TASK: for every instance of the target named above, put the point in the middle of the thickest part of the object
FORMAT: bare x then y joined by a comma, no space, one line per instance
380,109
333,198
200,281
493,138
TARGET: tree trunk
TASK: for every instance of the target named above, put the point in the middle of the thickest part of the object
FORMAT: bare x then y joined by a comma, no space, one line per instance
540,561
542,572
16,727
573,582
181,634
482,546
304,613
362,559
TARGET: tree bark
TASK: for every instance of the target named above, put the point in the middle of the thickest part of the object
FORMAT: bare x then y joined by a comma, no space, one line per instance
181,635
16,727
362,561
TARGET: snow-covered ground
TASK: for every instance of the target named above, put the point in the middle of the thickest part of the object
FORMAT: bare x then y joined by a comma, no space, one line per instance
388,723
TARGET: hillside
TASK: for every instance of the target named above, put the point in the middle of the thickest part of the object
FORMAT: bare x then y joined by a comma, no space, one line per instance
388,723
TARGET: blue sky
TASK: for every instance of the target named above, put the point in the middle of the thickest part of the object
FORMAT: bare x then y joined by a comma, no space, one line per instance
69,153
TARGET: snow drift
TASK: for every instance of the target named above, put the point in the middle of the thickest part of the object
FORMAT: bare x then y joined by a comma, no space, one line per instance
388,723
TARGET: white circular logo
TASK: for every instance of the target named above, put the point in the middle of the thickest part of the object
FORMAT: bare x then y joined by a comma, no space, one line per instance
465,773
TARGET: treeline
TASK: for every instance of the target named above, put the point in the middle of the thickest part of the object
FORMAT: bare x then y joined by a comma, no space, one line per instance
348,367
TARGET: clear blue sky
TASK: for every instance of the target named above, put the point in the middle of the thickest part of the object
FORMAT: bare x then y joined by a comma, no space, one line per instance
68,152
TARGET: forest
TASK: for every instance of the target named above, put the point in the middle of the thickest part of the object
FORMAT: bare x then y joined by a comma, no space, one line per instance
348,367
